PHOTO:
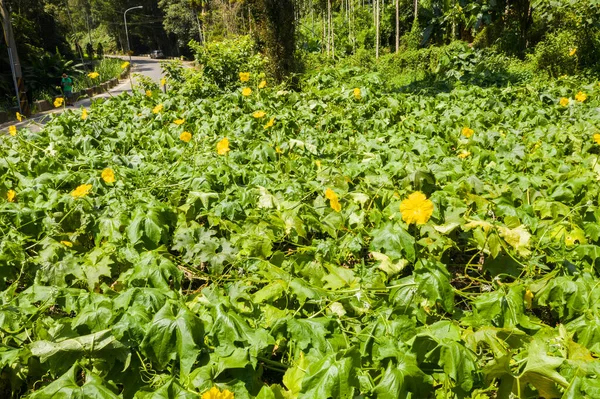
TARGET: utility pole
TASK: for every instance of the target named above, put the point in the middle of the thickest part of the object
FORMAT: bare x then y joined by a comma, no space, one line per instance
15,64
126,31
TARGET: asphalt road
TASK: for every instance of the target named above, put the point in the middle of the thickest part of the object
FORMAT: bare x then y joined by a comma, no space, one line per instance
141,65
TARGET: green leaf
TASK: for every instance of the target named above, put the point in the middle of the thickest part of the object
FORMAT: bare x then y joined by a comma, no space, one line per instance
395,242
59,355
175,333
66,387
171,390
333,376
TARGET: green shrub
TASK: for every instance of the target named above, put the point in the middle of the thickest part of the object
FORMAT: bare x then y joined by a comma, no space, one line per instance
221,62
554,54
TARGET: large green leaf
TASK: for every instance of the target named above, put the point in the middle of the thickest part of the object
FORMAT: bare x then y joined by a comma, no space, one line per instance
174,333
68,387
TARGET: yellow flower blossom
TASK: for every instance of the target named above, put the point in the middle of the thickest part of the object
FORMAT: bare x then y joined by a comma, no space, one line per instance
157,109
333,200
564,102
179,122
81,191
84,114
246,91
67,244
12,130
223,146
597,138
185,136
108,175
125,65
58,102
215,393
278,150
19,116
262,84
416,208
467,132
581,97
163,82
244,76
528,298
93,75
318,163
11,195
357,94
270,123
464,154
572,52
259,114
148,93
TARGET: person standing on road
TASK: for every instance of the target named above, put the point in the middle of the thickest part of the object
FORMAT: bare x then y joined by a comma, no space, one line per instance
67,86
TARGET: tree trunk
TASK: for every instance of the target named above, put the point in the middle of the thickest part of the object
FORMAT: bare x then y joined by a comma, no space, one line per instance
377,29
275,28
397,26
416,9
331,31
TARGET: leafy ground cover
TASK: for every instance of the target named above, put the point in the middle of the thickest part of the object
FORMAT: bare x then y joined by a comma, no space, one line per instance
252,244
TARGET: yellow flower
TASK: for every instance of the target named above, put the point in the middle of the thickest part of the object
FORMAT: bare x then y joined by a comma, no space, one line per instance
125,65
157,109
357,93
108,175
270,123
581,97
185,136
262,84
84,114
215,393
244,76
318,163
12,130
528,298
564,102
246,91
333,200
259,114
81,191
67,244
278,150
148,93
464,154
223,146
416,208
11,195
19,116
163,82
467,132
93,75
597,138
572,52
58,102
179,122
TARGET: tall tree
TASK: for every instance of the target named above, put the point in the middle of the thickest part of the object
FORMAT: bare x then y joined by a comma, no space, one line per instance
276,32
397,26
377,33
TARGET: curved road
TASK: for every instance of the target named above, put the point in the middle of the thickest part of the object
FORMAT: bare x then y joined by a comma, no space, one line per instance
141,65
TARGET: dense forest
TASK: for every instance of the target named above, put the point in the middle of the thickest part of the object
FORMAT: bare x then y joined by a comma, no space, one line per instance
56,35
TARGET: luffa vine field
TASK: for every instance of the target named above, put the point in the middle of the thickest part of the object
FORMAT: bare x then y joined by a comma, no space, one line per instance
341,242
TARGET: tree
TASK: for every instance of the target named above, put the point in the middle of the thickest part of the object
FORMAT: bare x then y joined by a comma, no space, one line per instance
275,31
100,50
89,49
